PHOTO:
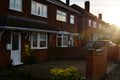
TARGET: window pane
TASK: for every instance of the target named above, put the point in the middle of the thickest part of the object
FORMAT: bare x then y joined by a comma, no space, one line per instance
15,42
43,40
65,40
72,18
61,16
44,11
18,4
59,40
58,12
100,26
33,8
35,40
63,13
12,4
39,9
90,23
94,24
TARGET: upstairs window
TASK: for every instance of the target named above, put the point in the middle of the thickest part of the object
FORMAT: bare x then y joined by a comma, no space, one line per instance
100,26
103,27
15,5
38,9
94,24
61,16
90,22
72,19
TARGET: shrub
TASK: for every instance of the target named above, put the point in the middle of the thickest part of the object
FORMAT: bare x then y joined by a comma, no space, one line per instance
31,59
70,73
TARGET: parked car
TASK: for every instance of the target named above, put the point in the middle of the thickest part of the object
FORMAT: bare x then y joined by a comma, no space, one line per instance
99,45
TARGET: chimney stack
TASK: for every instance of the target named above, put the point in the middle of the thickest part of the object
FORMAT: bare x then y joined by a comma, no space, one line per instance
67,2
100,16
87,6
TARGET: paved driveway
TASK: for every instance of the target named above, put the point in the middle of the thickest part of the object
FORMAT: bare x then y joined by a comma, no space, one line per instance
42,69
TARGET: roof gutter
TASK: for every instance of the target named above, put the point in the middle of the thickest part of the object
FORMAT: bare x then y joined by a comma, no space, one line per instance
29,29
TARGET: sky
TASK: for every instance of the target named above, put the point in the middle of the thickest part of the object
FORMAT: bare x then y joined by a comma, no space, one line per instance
109,9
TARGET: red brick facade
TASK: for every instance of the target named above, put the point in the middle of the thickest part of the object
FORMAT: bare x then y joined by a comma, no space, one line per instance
16,18
25,23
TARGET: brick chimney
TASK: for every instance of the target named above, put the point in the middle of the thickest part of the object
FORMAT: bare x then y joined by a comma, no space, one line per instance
67,2
87,6
100,16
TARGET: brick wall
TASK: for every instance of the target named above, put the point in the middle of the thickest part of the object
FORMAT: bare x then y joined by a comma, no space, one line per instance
96,65
4,53
67,53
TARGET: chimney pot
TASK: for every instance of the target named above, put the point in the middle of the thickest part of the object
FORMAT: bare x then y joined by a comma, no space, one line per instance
67,2
100,16
87,6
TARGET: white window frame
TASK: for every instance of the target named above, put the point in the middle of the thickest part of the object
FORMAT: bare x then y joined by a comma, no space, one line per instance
38,41
72,19
94,24
89,22
71,41
100,26
14,5
38,9
103,27
62,40
61,16
108,30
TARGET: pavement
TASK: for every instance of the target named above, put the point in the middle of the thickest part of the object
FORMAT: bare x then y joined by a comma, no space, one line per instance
114,74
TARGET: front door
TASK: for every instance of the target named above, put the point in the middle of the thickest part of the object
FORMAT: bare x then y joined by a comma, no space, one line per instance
16,48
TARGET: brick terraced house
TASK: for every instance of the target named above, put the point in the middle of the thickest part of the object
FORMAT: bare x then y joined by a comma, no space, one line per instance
91,27
36,26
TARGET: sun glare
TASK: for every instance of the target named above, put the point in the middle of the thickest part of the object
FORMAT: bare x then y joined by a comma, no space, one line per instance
112,14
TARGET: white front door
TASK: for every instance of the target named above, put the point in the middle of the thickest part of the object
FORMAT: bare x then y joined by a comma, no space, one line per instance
16,48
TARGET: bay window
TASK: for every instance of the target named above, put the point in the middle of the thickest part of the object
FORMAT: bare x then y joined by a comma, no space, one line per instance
62,40
38,40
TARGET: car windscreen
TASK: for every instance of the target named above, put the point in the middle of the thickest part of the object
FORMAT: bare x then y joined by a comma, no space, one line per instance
99,44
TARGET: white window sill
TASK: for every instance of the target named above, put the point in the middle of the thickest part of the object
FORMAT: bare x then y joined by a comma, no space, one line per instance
39,48
39,15
16,10
62,46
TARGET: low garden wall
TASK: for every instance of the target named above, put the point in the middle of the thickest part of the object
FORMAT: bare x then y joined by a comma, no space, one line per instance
68,53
